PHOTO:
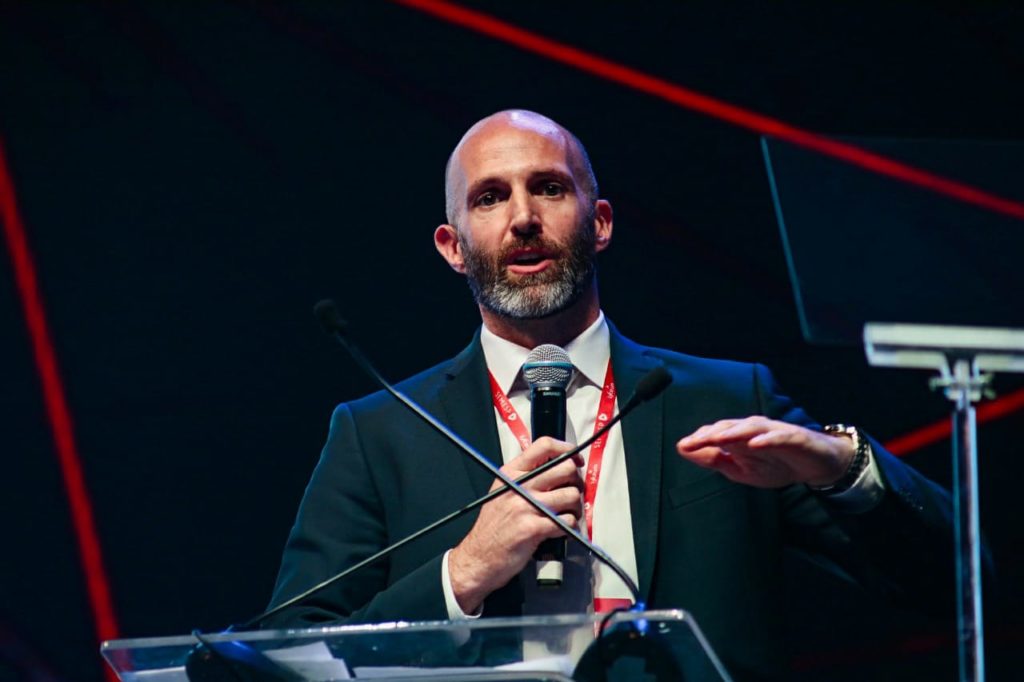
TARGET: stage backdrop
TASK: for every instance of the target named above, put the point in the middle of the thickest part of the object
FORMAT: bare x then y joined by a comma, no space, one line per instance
191,177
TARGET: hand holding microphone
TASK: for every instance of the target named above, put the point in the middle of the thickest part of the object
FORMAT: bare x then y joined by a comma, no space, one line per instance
508,533
508,530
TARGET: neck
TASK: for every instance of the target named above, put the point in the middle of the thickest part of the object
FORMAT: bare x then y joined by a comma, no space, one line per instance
559,329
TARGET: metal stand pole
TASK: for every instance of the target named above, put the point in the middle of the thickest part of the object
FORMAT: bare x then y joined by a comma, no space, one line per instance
964,388
960,355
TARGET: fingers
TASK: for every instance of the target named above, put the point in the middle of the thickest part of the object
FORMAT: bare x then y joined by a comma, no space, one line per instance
545,529
725,430
545,449
567,503
560,489
562,501
706,457
562,475
715,459
752,432
539,452
778,438
550,530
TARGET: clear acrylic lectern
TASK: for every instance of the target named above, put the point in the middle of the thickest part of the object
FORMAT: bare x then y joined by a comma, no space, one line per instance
553,648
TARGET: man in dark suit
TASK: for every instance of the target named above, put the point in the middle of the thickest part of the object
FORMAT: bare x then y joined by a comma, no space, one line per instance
699,521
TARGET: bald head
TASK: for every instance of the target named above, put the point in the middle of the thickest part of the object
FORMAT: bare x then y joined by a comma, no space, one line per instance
576,155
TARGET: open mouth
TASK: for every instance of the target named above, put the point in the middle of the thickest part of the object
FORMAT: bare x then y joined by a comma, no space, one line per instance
528,261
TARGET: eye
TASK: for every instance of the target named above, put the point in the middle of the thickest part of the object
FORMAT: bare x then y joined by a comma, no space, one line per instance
487,199
552,189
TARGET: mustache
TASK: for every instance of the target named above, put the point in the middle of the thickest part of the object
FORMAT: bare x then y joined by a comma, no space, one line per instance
534,241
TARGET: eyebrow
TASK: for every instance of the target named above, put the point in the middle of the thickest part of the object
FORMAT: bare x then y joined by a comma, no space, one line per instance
543,173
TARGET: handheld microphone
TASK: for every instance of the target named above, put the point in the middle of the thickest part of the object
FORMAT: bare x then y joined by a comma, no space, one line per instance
548,370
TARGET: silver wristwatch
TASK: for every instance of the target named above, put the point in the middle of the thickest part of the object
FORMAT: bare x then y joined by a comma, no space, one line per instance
857,464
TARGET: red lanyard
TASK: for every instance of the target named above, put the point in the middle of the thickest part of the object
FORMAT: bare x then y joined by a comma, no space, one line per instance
605,409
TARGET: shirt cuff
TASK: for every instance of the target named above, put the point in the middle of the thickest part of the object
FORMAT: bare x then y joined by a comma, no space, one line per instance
454,610
865,493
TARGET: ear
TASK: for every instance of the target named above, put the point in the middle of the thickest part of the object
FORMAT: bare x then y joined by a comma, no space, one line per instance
602,224
446,240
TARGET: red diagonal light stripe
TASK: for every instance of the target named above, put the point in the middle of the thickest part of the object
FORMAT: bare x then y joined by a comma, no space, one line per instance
723,111
933,433
57,410
755,122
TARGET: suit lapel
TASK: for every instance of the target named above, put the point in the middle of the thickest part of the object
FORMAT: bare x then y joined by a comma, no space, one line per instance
642,437
468,411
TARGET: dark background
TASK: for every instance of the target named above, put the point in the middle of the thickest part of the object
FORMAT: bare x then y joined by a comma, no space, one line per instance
193,176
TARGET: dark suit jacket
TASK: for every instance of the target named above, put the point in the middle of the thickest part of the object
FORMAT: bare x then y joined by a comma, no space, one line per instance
702,543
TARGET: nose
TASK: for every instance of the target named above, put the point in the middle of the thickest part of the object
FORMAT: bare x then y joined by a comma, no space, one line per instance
524,218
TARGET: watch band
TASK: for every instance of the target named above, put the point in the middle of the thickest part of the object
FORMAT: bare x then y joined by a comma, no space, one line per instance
857,464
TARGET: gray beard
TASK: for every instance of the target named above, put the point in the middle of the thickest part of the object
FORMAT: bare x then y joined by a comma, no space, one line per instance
538,295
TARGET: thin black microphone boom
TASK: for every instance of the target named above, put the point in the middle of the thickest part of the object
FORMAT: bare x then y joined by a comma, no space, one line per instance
649,386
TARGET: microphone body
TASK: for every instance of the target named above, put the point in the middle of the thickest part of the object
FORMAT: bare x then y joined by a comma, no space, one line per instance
547,412
548,371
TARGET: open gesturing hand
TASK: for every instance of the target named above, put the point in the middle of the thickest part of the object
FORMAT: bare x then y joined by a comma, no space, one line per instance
767,453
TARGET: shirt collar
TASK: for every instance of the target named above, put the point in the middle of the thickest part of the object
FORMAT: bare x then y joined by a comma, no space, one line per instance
589,353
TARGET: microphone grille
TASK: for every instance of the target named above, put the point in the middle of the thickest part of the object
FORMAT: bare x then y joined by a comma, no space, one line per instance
548,365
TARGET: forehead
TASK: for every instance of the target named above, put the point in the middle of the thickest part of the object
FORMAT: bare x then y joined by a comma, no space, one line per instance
512,147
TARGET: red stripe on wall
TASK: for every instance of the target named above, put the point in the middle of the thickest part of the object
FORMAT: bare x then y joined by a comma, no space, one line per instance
723,111
97,585
755,122
936,432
